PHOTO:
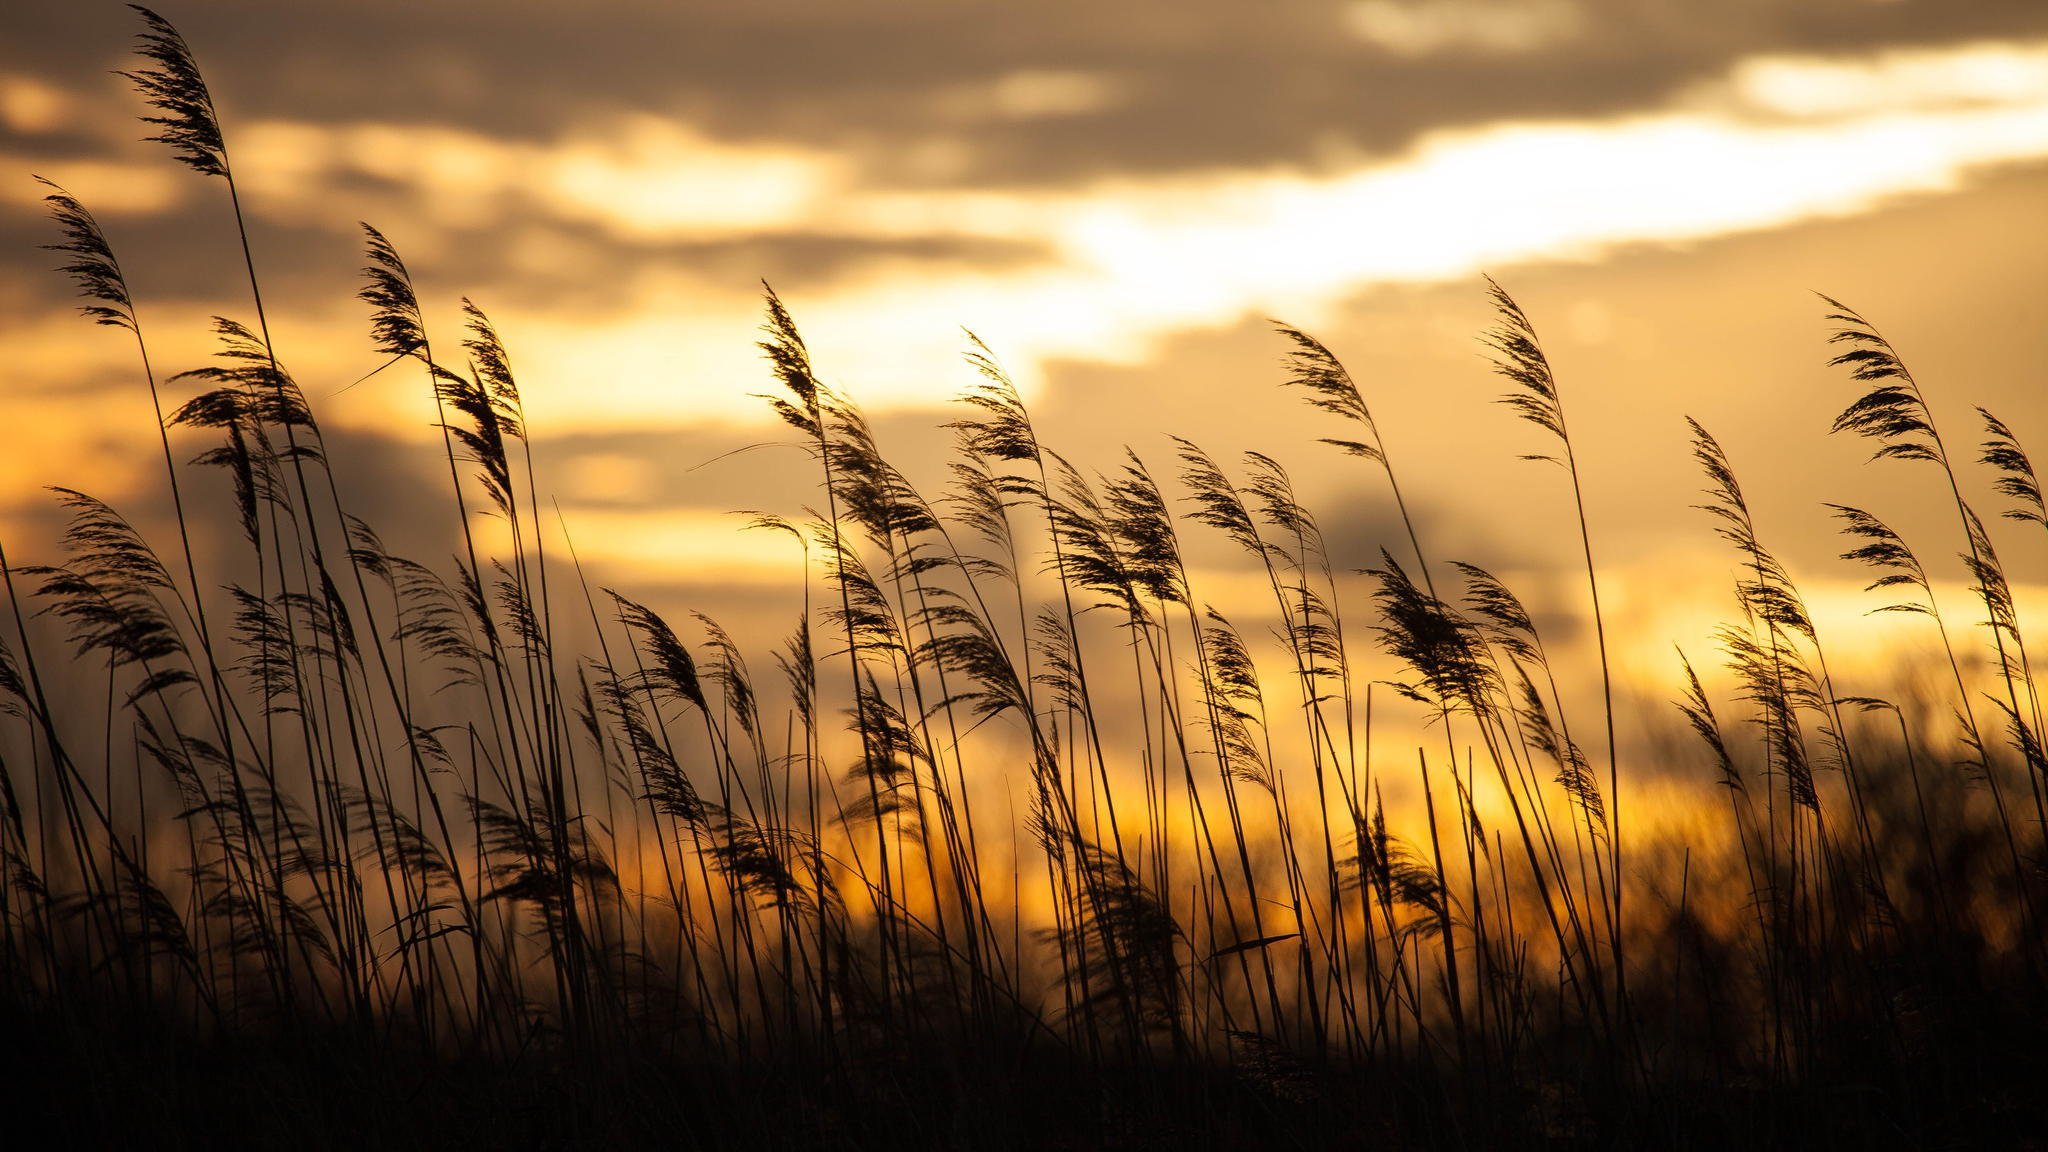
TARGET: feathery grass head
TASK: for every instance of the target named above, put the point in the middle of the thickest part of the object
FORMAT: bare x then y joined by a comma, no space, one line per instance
493,367
1892,412
800,670
728,670
1699,713
516,610
890,754
870,490
1773,679
791,359
1005,431
173,86
1272,491
92,267
1052,646
754,858
662,780
2022,736
1399,877
1091,555
863,612
1518,355
395,325
1144,528
109,590
1885,552
1725,501
1431,638
673,671
1574,772
267,659
2016,477
1984,567
1230,662
250,387
489,398
103,543
1135,928
1316,370
1217,503
976,499
1768,591
252,472
1233,682
962,643
1507,622
431,615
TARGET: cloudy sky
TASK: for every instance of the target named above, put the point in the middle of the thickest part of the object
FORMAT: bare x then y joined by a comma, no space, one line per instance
1114,196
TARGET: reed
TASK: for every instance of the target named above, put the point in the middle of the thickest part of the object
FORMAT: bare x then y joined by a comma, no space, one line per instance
1021,808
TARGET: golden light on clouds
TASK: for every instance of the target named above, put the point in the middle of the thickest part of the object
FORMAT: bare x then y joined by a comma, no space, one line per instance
1116,265
1125,263
1034,94
1896,81
676,543
1418,28
1106,270
677,587
1130,262
641,178
29,105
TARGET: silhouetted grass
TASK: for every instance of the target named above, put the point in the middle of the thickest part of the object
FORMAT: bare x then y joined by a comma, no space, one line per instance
315,843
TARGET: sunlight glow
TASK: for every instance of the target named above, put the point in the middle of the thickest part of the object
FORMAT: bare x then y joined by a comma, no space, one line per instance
711,547
1494,27
643,178
1134,261
1125,262
28,105
1895,81
117,187
1033,95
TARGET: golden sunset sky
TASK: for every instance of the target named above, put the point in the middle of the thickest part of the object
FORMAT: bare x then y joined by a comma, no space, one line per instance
1114,196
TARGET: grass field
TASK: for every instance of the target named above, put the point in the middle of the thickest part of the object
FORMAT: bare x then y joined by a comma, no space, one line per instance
1013,840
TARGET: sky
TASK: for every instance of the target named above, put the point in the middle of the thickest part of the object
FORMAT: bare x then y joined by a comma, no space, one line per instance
1116,198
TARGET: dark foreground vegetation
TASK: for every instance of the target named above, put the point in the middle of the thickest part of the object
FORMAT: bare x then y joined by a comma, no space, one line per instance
1022,843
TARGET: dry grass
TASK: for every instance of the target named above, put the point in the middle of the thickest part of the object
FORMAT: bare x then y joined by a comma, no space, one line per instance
347,848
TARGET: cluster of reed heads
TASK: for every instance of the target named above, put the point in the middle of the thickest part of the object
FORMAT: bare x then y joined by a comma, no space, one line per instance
1017,787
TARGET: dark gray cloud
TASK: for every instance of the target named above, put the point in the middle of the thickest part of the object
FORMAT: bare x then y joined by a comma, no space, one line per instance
1193,86
1203,84
1199,84
188,255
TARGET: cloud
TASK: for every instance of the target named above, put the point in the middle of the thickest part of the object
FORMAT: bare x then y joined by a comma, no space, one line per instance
1054,92
120,186
1135,261
711,546
1895,81
30,106
1106,270
1035,94
1486,27
644,177
1081,183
